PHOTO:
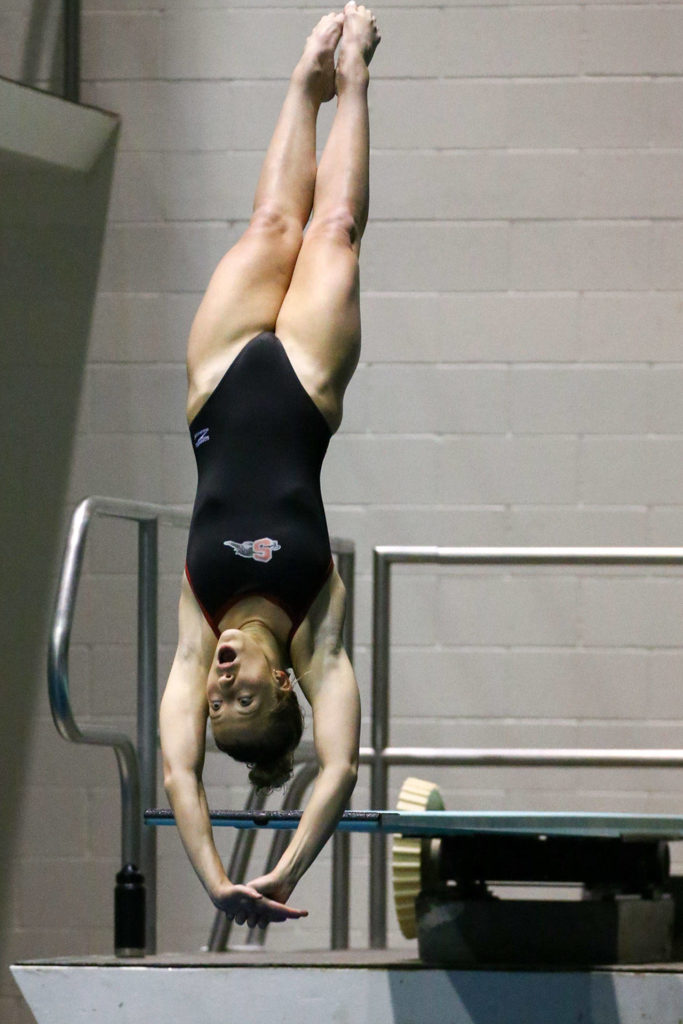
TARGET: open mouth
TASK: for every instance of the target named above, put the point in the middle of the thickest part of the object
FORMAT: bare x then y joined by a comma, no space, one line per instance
226,655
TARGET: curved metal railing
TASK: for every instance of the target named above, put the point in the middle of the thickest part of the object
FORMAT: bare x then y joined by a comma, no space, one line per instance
136,761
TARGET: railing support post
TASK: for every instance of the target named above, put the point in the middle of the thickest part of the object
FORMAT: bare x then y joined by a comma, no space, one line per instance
148,573
381,611
71,21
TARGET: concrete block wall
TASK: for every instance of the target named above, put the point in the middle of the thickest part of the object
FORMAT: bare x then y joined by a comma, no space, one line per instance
522,309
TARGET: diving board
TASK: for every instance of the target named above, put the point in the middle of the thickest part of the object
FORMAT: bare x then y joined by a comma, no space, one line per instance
445,863
452,823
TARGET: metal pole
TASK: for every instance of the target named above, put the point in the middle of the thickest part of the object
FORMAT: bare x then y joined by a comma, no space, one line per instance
611,556
381,610
148,573
341,842
346,562
58,685
502,757
341,873
71,23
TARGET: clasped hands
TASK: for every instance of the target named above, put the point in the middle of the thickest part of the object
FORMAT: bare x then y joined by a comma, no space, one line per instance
258,903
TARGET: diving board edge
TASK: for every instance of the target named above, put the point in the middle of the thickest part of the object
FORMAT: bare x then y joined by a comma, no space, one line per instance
444,823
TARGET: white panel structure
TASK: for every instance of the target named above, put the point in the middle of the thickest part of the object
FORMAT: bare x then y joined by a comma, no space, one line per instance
321,988
38,125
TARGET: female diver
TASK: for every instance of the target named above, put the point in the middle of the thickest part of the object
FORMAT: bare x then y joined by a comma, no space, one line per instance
272,348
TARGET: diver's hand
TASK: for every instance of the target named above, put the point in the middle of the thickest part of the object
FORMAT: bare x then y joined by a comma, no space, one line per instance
275,887
245,904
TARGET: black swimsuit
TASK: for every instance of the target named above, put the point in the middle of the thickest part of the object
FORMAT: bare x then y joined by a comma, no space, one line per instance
258,523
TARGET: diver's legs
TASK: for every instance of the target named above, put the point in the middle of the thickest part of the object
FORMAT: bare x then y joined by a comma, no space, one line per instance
320,315
247,288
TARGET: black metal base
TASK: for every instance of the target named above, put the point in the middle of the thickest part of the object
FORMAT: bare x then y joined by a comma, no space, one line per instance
462,932
624,865
675,888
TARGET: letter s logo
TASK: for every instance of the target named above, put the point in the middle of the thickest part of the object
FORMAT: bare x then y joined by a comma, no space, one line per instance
263,549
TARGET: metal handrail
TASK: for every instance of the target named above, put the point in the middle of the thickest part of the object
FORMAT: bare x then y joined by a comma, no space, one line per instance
137,762
529,757
381,755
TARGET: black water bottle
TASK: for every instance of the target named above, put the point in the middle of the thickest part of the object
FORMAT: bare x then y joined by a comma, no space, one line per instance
129,912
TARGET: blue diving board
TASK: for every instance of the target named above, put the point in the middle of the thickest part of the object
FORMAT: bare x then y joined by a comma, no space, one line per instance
453,823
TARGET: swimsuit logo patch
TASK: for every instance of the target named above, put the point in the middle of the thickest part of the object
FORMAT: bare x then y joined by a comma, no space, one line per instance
201,437
260,550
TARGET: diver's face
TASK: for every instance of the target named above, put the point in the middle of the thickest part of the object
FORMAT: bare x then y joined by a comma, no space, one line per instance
241,688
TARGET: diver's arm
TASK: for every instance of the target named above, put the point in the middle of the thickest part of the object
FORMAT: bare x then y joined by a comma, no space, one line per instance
329,683
336,728
182,722
182,727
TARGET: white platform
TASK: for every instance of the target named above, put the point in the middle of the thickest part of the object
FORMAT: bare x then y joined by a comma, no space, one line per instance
350,987
43,127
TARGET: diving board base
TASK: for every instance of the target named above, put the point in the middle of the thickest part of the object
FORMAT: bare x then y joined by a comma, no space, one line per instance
521,932
353,987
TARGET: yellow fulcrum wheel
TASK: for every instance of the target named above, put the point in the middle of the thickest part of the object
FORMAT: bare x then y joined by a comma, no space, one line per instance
416,795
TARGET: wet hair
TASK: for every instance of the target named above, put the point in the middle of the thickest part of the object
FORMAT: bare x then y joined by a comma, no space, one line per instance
271,757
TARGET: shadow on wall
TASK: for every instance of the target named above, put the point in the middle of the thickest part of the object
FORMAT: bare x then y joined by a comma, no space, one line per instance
52,222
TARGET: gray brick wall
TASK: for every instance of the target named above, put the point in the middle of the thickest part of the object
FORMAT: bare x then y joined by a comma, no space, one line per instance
522,311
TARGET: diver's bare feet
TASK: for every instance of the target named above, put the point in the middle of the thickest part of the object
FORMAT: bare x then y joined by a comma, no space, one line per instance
315,70
360,39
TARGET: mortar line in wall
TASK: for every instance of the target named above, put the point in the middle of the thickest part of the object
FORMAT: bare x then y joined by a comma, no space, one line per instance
521,5
436,79
472,150
497,292
533,720
498,508
464,293
502,221
644,650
